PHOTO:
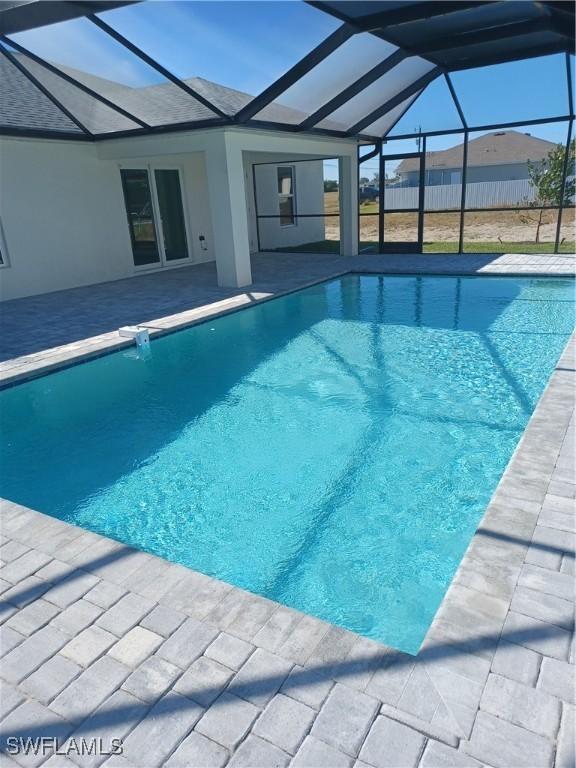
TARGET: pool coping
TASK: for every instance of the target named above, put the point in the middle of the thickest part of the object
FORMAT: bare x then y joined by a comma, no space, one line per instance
470,620
48,361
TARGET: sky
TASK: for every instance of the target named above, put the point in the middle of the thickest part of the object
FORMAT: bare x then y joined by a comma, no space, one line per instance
520,90
244,44
247,44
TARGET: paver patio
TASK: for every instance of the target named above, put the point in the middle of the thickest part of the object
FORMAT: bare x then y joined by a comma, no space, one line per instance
172,297
102,641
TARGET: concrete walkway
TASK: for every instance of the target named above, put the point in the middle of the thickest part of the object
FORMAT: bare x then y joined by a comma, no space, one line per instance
100,641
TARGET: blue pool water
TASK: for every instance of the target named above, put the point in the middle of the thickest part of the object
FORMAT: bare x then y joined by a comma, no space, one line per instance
333,449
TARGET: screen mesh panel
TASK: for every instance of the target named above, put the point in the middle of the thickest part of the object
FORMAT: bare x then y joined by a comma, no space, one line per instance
93,114
23,105
376,94
382,126
328,78
228,51
513,91
433,111
89,55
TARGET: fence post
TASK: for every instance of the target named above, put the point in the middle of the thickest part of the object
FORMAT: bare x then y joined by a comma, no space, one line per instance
563,187
463,195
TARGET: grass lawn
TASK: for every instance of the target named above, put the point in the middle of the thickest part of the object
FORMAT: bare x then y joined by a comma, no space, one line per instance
333,246
507,231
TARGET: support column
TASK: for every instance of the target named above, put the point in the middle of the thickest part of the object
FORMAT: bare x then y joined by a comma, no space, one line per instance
227,193
348,175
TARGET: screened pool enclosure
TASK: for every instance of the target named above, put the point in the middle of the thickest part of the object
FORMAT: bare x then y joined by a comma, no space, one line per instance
463,111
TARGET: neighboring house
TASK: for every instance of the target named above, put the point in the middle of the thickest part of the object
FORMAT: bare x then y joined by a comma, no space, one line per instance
499,156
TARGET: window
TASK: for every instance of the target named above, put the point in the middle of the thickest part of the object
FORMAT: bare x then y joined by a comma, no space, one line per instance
286,196
171,214
3,248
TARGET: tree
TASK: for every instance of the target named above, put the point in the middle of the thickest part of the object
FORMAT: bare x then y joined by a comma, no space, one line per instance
364,181
547,177
330,185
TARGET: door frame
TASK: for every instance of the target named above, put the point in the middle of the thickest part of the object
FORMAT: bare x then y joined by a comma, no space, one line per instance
150,168
401,247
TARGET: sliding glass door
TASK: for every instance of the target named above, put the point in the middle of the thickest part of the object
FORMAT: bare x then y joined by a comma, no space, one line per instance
138,199
171,213
156,220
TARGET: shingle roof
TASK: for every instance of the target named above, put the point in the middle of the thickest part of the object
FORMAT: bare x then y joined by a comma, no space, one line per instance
499,148
447,36
23,105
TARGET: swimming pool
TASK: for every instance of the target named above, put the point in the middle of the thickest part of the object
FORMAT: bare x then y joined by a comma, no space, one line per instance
333,449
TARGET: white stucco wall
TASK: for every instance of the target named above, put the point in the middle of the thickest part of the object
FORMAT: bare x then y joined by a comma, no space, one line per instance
64,219
309,199
194,197
62,215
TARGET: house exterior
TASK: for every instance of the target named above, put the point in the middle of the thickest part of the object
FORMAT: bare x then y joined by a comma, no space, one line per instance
102,180
498,156
76,213
281,191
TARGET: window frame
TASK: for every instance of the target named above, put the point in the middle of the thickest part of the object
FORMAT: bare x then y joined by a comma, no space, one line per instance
166,262
151,168
288,196
4,256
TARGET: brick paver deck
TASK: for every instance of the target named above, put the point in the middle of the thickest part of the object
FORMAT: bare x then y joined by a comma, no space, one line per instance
102,641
